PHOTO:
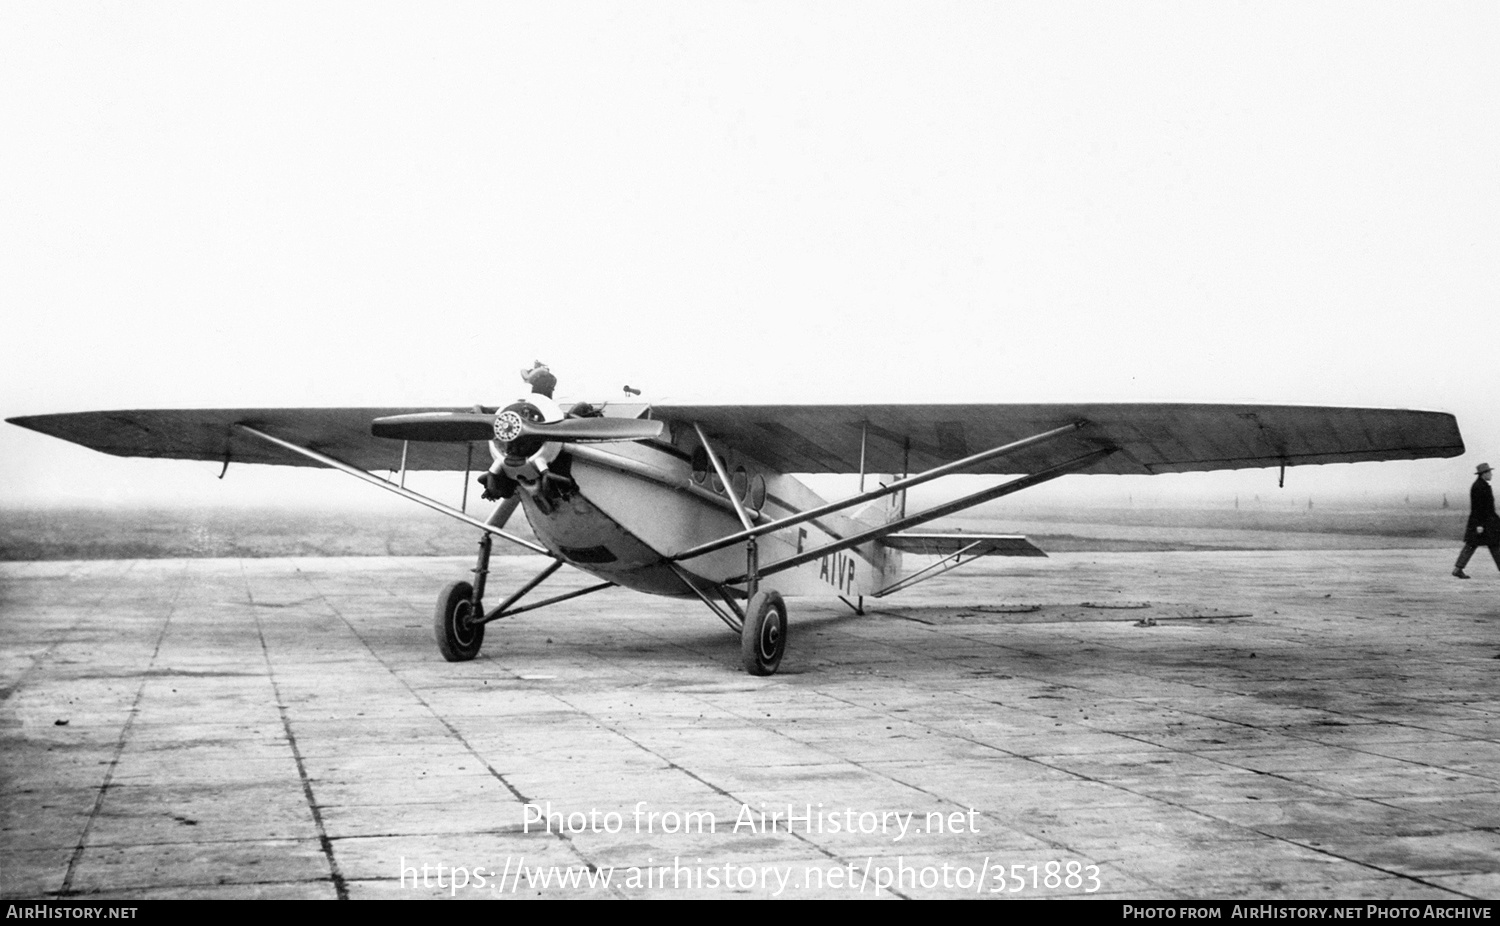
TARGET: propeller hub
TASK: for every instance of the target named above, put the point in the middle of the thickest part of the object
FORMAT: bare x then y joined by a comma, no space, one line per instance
507,426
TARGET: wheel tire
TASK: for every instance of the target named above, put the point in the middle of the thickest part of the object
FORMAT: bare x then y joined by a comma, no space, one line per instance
763,641
457,639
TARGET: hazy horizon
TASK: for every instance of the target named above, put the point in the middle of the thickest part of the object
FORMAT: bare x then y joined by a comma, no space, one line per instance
334,204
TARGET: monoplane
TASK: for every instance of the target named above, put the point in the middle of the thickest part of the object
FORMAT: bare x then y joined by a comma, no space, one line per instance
699,501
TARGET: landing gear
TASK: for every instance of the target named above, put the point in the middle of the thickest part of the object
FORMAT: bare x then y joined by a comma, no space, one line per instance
460,618
458,637
763,640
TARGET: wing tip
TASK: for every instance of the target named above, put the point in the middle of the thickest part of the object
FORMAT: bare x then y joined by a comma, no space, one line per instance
32,422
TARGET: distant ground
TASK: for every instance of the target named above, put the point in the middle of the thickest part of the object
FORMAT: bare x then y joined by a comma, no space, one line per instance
75,533
79,533
1221,528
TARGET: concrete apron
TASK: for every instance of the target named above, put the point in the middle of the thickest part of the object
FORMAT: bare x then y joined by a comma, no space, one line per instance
1302,724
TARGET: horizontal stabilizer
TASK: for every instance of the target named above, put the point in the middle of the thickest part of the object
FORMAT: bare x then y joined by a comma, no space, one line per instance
949,544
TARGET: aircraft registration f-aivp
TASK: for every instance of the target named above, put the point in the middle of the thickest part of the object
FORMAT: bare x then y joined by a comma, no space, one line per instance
697,501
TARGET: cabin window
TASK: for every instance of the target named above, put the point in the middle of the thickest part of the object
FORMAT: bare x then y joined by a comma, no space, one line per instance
758,492
741,482
700,466
718,483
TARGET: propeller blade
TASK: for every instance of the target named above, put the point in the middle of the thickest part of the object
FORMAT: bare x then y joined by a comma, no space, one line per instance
478,426
591,430
436,426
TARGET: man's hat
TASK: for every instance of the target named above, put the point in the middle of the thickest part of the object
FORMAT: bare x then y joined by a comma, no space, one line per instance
540,378
1482,468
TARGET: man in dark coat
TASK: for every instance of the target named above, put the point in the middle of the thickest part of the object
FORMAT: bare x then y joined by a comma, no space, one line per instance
1484,525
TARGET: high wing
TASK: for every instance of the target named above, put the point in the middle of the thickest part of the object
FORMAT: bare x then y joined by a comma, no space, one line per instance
209,434
1148,438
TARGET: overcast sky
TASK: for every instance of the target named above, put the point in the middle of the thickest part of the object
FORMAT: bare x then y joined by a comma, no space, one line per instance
253,204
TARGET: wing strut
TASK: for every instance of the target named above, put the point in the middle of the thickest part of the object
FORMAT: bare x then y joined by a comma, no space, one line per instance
922,517
468,468
504,609
733,617
864,436
723,474
392,487
898,486
752,549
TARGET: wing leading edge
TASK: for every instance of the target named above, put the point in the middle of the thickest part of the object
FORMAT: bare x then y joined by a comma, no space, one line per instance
1149,439
827,438
209,434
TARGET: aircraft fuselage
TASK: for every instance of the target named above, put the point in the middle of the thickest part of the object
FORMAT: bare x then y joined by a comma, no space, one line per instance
633,506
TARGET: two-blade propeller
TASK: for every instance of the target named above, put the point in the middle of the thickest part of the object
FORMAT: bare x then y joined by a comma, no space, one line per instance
519,437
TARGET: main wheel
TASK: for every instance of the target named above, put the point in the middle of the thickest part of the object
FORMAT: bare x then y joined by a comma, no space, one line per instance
763,641
458,638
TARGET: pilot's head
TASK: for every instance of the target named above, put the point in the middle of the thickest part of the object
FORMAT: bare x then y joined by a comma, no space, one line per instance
540,378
